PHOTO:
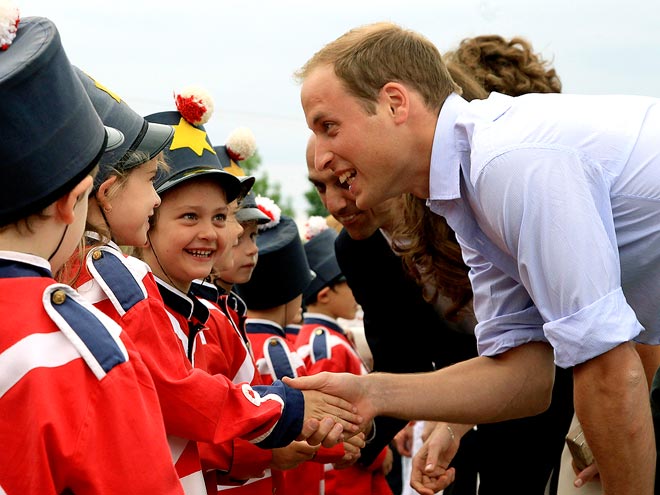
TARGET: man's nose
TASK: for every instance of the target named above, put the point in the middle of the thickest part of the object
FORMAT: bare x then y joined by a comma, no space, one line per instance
322,158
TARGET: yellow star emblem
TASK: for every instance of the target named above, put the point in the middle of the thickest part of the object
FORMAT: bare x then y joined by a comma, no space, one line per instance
234,169
114,96
188,136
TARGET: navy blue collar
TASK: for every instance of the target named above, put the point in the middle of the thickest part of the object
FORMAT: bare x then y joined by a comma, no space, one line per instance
255,325
332,325
293,329
186,305
19,269
205,290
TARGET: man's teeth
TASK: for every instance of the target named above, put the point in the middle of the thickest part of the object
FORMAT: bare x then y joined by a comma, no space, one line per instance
347,177
200,253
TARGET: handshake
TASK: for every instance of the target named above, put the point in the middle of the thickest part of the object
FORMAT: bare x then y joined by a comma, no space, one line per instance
336,407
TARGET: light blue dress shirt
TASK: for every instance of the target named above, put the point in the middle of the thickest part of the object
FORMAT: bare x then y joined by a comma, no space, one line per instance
555,200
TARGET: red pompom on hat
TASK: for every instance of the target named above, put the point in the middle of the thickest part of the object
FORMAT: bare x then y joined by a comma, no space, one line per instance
194,104
9,19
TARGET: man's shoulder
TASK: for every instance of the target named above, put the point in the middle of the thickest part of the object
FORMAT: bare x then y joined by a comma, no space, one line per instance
345,242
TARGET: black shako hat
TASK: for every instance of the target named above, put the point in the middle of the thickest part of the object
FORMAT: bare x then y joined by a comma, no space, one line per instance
234,168
249,211
50,135
142,140
320,251
282,271
191,155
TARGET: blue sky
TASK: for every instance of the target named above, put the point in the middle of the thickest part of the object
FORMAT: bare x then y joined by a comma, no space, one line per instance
244,53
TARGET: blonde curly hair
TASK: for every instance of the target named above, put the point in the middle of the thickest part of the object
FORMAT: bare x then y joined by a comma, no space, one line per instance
506,66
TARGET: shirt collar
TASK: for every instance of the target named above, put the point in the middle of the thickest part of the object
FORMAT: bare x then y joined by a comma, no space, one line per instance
320,319
32,265
259,325
444,180
94,237
205,290
186,305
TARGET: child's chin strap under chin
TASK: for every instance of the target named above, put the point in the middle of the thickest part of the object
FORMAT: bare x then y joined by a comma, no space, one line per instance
59,244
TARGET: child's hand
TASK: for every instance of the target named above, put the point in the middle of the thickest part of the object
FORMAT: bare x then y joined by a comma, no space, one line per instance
328,419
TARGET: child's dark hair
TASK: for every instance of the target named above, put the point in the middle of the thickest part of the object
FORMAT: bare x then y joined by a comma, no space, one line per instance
313,298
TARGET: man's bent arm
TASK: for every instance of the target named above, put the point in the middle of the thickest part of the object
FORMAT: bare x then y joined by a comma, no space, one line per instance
612,404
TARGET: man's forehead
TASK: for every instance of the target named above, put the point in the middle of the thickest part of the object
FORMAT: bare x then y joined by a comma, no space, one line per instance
315,91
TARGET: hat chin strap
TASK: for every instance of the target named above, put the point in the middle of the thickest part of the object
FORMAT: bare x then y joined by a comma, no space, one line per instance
153,250
59,244
107,222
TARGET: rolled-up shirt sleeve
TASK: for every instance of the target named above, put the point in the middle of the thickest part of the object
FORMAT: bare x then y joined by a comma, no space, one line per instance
548,210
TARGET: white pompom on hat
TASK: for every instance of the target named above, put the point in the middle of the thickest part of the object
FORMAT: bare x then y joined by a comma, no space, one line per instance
241,144
9,20
271,209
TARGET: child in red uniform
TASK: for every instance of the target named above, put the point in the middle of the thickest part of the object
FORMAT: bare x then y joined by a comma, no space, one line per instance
324,346
195,405
273,297
80,413
188,233
253,471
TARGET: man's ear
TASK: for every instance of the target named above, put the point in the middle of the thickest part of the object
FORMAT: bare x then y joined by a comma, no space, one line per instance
397,98
323,295
65,206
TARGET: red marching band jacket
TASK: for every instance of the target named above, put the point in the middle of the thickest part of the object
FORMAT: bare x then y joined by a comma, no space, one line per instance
275,359
324,346
228,354
196,406
80,412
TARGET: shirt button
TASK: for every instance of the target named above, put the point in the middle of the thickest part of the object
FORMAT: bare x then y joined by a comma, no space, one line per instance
58,297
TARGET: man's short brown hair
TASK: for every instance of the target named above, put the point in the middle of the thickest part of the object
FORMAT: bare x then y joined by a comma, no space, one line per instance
368,57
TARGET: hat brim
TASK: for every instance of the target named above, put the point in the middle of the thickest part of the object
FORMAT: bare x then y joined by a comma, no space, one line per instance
247,182
249,214
157,137
115,138
229,182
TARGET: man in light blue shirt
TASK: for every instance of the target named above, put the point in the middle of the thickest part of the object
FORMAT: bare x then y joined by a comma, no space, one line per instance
555,201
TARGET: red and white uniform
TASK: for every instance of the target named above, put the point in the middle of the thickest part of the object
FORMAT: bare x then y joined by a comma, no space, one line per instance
196,406
208,334
323,346
229,354
275,360
291,332
79,410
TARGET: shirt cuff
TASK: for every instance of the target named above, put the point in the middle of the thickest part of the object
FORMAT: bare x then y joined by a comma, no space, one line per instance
592,331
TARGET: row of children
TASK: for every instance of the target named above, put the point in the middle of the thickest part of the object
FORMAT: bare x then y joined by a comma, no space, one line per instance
131,374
